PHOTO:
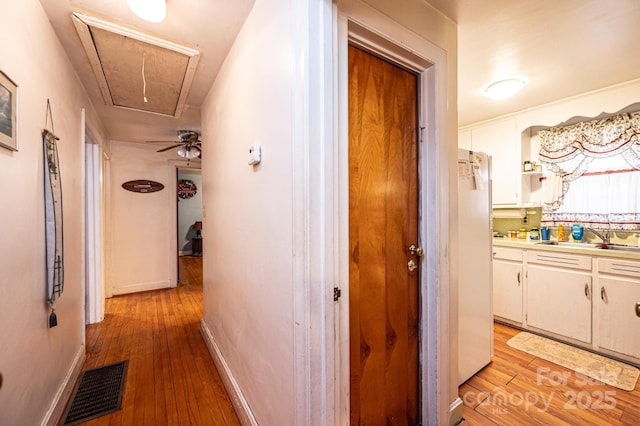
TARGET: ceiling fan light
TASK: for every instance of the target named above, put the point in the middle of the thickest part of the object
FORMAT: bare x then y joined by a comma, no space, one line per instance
193,153
188,153
504,88
149,10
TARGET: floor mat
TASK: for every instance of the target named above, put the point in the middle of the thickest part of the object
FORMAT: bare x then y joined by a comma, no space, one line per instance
100,392
606,370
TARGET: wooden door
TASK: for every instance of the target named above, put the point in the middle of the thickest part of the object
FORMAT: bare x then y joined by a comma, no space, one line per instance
383,223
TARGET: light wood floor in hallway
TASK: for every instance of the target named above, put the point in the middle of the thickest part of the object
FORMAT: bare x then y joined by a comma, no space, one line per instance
171,378
173,381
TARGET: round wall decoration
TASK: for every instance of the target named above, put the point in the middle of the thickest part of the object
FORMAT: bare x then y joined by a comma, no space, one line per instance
142,186
186,189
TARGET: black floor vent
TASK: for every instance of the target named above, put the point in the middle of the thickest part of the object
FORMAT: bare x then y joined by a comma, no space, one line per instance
100,392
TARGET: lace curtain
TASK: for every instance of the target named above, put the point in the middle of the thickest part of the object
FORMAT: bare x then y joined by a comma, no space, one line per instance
606,195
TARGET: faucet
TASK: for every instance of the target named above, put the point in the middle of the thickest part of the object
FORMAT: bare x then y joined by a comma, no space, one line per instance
604,236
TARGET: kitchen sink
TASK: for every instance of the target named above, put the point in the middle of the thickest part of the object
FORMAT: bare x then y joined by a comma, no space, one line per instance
601,246
570,244
620,247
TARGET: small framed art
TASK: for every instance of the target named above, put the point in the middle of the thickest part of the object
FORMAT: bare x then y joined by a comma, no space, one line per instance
8,113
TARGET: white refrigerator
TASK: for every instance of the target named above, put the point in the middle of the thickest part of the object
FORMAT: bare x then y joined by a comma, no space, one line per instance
475,263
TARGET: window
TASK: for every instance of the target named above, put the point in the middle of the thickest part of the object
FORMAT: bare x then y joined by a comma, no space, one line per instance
595,173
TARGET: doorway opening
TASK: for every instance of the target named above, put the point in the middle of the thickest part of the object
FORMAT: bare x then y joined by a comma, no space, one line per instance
189,227
435,311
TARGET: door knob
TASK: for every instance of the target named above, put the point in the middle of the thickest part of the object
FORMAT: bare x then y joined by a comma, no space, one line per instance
412,266
418,251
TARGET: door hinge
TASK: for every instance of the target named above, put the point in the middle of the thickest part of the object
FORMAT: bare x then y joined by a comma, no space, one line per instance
337,294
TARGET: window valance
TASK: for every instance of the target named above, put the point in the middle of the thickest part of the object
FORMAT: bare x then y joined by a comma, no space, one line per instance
617,135
600,153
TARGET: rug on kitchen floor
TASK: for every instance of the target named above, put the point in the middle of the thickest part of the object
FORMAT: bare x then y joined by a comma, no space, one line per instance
99,392
606,370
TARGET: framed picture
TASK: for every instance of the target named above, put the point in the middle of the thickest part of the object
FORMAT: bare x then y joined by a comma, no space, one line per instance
8,113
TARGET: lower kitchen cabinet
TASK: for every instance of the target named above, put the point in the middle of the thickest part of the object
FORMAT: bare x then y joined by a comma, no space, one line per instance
619,307
559,301
588,301
507,284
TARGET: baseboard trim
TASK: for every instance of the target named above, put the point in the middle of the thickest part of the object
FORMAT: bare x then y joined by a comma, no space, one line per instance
455,412
56,409
240,404
136,288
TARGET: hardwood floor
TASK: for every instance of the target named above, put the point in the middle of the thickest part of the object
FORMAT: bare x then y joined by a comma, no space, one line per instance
171,378
521,389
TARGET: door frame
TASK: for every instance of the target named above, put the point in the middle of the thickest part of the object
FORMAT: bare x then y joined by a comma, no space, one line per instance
94,258
438,353
172,226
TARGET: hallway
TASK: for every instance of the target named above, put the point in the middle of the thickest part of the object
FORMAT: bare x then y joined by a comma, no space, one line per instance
171,378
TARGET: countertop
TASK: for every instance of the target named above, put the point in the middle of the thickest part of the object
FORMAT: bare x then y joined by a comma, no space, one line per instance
588,250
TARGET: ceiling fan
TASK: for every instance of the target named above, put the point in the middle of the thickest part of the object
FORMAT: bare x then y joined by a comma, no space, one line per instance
189,146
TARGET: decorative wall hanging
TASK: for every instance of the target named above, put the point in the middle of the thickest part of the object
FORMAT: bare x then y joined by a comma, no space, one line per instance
53,218
143,186
8,113
186,189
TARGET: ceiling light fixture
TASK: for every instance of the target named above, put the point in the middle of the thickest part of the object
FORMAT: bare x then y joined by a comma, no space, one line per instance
149,10
188,153
503,88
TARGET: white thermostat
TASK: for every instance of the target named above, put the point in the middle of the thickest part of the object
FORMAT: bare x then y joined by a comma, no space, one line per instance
254,154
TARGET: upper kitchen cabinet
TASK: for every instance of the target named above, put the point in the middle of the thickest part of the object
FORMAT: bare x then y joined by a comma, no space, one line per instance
501,140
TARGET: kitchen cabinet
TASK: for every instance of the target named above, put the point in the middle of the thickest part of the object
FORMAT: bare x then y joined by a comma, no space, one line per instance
507,284
619,306
559,294
501,140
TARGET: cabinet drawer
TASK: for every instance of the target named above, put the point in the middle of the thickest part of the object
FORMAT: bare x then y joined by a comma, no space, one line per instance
507,253
561,260
629,268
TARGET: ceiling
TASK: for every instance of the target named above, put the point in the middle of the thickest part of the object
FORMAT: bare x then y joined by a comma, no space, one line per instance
564,47
208,26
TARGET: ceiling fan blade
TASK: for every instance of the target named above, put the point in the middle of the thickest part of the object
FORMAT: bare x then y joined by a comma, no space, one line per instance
161,141
168,148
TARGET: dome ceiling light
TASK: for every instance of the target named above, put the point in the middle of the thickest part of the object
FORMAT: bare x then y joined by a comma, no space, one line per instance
504,88
149,10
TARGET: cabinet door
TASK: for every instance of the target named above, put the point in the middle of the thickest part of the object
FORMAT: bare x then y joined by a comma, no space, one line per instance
501,141
618,316
559,301
507,290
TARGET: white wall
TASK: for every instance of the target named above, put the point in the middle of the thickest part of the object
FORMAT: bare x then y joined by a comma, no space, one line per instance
36,361
189,211
248,212
142,225
257,221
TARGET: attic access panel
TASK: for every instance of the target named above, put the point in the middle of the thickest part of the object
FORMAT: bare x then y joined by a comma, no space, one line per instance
130,66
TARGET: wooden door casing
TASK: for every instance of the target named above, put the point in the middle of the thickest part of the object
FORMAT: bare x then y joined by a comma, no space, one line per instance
383,223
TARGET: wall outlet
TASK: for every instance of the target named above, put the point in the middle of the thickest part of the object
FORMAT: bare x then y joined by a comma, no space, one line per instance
524,220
